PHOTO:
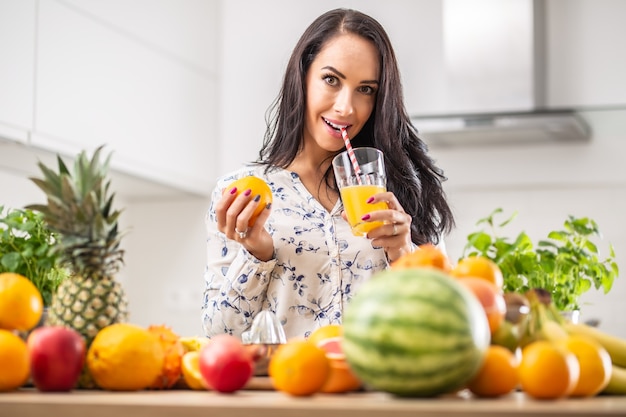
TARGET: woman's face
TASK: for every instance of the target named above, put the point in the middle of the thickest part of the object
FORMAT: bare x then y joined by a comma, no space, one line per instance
341,87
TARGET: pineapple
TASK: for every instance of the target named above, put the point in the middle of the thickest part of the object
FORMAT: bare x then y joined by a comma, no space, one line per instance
79,209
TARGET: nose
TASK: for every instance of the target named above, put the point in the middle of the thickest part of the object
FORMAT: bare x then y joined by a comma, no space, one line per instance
343,102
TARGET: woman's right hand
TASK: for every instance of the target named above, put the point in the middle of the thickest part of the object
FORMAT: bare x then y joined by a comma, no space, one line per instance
233,212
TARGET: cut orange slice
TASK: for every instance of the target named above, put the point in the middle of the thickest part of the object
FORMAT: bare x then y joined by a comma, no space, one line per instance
332,347
341,378
191,371
325,332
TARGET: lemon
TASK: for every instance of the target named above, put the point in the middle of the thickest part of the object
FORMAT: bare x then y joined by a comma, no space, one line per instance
193,343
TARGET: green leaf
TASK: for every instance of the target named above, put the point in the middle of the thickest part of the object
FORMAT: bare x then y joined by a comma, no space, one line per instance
489,219
509,220
10,261
591,247
481,241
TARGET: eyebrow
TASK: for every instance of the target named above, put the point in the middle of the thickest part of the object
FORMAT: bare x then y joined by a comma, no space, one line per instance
340,74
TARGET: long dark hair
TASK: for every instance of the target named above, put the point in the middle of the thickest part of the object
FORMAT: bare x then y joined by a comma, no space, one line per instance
411,174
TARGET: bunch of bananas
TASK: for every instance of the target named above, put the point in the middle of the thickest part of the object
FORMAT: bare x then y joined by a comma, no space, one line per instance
542,321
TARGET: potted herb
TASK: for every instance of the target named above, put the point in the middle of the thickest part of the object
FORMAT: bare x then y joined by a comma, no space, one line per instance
567,264
25,248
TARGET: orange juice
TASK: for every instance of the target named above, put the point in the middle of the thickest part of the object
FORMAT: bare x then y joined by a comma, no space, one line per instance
355,204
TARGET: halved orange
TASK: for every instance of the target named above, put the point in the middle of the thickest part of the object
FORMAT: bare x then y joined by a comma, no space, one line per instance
191,370
341,378
325,332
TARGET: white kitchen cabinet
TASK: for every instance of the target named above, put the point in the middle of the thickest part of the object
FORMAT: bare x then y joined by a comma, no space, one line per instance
182,29
100,83
586,44
17,54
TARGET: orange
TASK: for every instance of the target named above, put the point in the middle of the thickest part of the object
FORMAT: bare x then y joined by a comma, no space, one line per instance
341,378
125,357
595,365
21,304
191,370
173,350
257,187
498,375
547,370
426,255
14,362
325,332
479,267
490,298
299,368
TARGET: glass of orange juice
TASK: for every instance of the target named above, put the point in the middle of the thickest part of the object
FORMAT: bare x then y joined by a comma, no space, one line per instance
357,183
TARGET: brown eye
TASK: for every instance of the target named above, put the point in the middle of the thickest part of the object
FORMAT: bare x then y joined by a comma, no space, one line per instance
367,90
331,80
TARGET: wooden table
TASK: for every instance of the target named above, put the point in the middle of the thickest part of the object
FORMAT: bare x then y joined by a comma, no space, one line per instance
253,403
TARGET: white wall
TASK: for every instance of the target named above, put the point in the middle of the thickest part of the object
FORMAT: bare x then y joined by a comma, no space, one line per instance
165,262
544,183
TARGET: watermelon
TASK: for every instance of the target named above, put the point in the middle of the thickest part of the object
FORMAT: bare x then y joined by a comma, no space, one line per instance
414,333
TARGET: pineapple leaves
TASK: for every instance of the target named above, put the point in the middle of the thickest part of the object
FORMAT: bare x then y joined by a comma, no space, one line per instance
79,207
51,183
62,167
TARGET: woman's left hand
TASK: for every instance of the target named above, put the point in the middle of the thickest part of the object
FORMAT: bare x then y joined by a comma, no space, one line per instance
395,235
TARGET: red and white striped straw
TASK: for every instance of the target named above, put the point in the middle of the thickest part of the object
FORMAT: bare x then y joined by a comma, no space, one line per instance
355,164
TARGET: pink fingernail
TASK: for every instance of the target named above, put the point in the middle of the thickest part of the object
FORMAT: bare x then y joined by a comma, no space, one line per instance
233,190
248,192
369,200
366,217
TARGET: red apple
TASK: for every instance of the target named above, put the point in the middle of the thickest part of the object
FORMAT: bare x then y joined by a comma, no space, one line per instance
57,355
225,364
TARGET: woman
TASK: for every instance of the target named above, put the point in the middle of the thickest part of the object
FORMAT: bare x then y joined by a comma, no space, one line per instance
300,260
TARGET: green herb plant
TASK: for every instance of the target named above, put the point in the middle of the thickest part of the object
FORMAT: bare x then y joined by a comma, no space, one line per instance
566,264
26,248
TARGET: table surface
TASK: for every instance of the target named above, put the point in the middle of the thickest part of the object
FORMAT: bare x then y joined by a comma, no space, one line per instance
186,403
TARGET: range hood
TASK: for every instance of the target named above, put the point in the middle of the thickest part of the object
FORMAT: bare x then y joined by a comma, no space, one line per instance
494,73
503,128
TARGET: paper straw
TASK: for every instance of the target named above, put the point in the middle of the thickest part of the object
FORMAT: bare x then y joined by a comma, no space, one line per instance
355,164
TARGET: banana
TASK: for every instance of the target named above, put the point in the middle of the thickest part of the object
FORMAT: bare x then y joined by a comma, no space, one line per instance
617,383
553,331
613,344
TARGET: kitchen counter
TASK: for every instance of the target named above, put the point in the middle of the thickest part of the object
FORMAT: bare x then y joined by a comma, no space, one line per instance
183,403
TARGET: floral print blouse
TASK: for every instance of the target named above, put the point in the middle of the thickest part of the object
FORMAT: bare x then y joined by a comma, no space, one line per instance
318,263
